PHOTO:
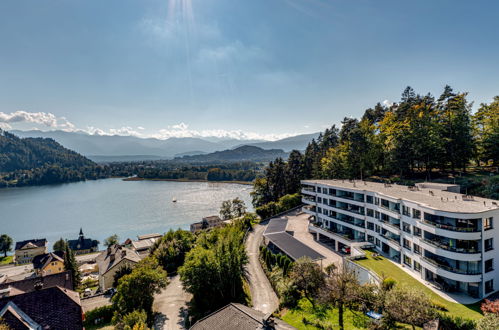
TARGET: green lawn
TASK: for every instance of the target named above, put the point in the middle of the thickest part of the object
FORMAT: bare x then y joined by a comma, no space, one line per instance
382,266
6,260
327,319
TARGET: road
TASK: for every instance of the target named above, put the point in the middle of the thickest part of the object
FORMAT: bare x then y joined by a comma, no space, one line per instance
171,303
263,296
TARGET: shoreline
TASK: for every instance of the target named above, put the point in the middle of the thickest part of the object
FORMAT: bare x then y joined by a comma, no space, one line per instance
186,180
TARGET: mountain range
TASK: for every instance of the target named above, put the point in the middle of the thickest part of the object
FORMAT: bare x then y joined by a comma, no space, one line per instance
117,148
242,153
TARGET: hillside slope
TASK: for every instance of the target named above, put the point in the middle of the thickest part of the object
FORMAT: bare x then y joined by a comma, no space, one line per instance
29,153
243,153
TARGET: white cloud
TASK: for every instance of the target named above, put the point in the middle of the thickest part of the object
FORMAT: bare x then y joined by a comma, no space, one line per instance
181,130
387,103
42,118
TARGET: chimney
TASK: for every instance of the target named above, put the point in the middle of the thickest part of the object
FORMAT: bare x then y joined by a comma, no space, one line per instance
38,285
109,250
123,253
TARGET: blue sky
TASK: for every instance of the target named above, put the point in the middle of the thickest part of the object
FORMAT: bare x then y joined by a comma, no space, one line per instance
259,68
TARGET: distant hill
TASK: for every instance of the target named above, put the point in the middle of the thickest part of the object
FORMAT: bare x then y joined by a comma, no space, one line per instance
298,142
243,153
32,153
190,153
99,147
124,158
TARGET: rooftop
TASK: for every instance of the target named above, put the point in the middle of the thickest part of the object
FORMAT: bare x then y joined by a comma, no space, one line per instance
63,280
31,243
148,236
51,308
276,233
435,198
42,260
113,255
237,316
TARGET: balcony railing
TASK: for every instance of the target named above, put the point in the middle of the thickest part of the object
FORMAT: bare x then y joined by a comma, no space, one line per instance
452,269
347,209
347,236
351,222
397,226
391,238
452,228
444,246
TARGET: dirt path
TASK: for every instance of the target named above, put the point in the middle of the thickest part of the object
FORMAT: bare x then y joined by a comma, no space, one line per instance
263,296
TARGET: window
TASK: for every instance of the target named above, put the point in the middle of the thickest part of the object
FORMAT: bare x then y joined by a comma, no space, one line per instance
489,244
369,199
406,227
487,223
376,200
370,213
417,266
370,225
319,199
489,265
489,286
378,242
370,239
378,229
407,261
416,214
319,209
406,211
406,244
377,215
332,192
416,248
417,231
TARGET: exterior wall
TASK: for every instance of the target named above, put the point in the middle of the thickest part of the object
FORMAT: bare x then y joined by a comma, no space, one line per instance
52,268
319,203
106,280
26,256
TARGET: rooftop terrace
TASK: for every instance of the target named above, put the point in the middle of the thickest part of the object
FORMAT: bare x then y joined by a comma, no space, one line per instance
435,198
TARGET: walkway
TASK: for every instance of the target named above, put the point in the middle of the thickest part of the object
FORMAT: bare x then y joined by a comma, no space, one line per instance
263,296
171,304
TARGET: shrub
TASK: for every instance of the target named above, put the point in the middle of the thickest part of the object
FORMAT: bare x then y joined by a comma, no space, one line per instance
389,283
99,315
439,306
448,322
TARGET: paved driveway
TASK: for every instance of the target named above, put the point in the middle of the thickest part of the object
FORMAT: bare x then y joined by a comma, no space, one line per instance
171,304
91,303
263,296
298,223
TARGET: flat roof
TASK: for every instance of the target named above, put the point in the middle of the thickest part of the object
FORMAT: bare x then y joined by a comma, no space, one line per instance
433,198
293,247
276,225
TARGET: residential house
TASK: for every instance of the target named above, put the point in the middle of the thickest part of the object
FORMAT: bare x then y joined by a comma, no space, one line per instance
49,263
240,317
25,251
83,245
441,237
50,308
207,223
111,260
144,243
11,288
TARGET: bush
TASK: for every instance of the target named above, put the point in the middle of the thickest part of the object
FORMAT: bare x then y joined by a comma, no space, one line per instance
389,283
439,306
285,203
99,315
448,322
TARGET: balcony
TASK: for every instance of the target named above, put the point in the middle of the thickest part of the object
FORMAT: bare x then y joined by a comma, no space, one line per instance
394,225
446,246
451,228
346,235
391,238
452,269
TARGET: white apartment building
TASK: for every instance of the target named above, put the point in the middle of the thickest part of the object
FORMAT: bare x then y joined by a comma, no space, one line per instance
442,236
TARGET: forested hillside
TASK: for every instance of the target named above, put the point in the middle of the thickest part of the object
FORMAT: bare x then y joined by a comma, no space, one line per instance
239,154
419,138
34,161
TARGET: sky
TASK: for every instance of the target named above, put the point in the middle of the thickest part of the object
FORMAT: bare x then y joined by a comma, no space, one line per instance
259,69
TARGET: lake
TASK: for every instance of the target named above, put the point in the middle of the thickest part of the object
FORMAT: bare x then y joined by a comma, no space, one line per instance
110,206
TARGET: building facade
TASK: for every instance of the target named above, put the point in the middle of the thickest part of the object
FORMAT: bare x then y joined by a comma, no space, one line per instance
25,251
49,263
83,245
440,235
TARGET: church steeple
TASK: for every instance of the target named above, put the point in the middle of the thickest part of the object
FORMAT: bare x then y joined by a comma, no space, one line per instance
81,233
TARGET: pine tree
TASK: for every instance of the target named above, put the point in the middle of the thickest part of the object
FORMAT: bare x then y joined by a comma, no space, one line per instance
71,265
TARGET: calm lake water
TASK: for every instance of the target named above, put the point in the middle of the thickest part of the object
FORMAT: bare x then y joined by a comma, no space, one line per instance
110,206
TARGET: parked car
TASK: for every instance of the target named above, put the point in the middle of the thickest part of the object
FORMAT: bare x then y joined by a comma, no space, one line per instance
87,292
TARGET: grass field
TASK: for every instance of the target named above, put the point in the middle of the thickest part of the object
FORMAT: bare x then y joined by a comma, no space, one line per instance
304,317
383,266
6,260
